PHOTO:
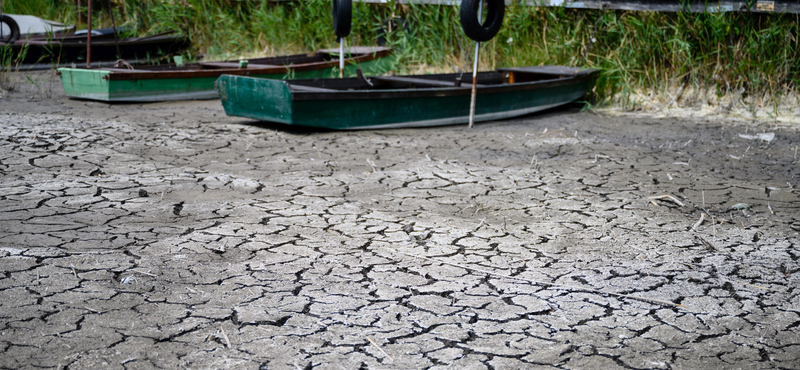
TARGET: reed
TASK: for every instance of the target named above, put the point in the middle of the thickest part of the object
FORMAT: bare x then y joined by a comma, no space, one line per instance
641,53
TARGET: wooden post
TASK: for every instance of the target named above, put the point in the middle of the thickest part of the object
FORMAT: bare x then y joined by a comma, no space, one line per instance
89,36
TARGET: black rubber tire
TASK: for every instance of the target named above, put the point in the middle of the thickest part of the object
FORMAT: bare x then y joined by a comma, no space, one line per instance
14,29
342,17
470,21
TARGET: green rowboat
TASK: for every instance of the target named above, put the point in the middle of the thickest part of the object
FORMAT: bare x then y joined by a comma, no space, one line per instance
196,80
403,101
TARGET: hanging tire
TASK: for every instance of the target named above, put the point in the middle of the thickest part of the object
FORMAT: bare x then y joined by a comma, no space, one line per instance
342,17
470,19
12,24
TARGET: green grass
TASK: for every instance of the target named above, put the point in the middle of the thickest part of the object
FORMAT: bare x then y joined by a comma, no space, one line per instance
751,54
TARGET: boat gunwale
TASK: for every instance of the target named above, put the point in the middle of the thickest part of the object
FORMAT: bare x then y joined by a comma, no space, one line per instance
74,42
119,74
425,92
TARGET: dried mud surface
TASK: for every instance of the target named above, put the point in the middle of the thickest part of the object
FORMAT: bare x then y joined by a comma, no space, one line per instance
171,236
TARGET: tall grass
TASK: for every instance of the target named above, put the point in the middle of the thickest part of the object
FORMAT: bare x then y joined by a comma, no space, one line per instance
750,54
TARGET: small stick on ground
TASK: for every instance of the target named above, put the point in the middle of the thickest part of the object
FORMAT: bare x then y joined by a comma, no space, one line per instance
596,156
143,273
546,133
380,349
123,362
706,243
225,336
665,196
743,154
372,164
700,221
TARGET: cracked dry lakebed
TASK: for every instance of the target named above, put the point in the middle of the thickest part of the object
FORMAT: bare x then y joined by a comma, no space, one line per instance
172,236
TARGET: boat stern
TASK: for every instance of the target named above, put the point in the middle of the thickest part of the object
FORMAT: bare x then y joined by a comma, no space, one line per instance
81,83
258,98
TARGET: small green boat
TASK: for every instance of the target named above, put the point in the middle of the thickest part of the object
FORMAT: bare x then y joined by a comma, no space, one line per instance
403,101
196,80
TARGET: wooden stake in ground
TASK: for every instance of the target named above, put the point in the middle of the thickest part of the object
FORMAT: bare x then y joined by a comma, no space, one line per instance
475,76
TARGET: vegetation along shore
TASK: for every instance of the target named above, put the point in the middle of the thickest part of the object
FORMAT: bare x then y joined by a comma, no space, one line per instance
731,61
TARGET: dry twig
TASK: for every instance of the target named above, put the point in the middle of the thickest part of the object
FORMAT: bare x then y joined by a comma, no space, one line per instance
143,273
225,336
380,349
665,196
546,133
705,242
699,222
372,164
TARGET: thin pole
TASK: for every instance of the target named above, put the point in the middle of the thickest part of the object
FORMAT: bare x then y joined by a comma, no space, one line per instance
341,57
474,87
89,37
114,24
79,11
475,73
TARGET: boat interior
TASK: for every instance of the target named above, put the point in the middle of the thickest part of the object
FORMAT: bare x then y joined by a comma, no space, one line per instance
251,63
448,80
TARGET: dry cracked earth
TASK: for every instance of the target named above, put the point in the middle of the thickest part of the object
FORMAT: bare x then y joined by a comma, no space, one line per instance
171,236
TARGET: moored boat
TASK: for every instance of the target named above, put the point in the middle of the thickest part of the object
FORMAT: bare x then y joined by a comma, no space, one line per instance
196,80
63,49
403,101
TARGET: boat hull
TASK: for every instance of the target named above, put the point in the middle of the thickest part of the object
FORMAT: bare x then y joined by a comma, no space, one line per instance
107,85
72,49
276,102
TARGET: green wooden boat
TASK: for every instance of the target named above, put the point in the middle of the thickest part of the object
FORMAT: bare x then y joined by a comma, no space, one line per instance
403,101
196,80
